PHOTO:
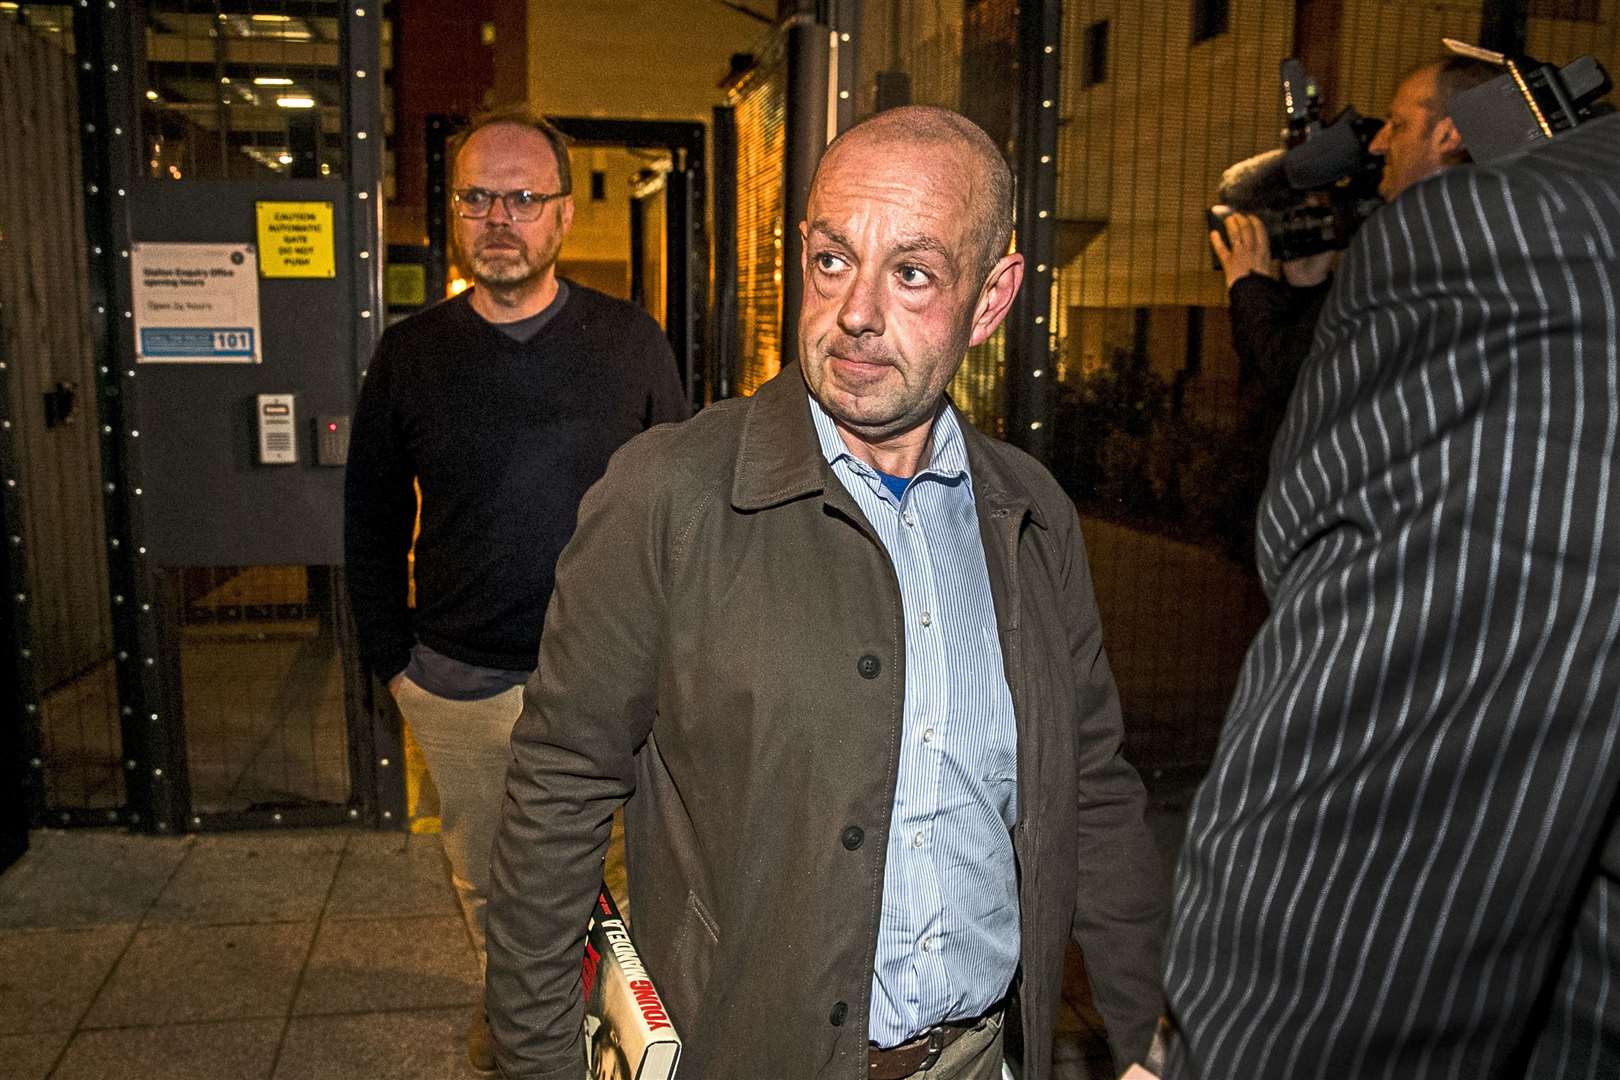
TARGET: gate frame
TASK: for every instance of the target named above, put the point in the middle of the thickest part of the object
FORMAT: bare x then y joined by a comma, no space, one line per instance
109,36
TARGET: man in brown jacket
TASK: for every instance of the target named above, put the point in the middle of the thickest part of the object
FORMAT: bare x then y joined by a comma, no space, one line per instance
838,655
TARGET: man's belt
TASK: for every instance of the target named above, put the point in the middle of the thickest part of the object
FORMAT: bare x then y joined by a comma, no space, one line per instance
917,1054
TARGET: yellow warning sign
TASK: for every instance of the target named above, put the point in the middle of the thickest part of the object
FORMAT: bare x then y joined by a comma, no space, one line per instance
295,240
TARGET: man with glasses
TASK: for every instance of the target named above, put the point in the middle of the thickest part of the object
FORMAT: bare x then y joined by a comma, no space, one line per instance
501,406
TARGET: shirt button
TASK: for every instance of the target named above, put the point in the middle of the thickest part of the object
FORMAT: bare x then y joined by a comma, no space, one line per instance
927,619
909,518
869,666
917,841
928,735
853,837
928,945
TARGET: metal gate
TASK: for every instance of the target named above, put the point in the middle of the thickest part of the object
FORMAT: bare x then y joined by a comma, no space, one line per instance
187,658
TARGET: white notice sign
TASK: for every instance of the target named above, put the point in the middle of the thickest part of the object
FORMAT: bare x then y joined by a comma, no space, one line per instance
196,303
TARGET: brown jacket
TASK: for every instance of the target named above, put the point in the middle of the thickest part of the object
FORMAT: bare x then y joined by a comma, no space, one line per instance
724,649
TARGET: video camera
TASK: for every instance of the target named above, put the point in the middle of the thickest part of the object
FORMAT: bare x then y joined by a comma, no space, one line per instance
1529,103
1316,190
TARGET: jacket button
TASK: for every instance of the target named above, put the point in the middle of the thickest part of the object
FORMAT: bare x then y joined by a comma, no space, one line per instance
869,666
839,1011
853,837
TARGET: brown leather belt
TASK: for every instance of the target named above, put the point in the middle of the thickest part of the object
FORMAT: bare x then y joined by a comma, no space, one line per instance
899,1062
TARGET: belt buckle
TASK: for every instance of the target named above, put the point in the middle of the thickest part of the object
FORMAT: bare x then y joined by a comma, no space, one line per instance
936,1047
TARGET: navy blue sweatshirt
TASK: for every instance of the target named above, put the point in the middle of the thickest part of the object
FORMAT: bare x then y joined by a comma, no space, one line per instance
504,437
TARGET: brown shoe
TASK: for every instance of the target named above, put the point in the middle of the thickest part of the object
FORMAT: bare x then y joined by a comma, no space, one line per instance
480,1044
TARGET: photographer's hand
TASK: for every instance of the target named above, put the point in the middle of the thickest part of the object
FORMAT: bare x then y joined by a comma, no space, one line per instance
1244,249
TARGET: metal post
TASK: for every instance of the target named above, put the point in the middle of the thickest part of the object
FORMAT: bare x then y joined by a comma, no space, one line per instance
638,257
108,39
686,254
677,272
439,129
844,16
378,787
362,125
19,728
1029,326
18,735
723,336
806,138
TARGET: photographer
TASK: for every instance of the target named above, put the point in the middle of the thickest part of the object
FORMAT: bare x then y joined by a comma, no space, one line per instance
1406,859
1274,305
1419,139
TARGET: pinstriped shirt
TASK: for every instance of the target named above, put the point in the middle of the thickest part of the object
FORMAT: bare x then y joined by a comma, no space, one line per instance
948,937
1405,861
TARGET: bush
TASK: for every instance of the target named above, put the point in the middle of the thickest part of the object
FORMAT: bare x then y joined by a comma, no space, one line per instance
1122,452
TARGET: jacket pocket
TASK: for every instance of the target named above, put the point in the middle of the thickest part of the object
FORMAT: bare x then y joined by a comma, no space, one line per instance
697,943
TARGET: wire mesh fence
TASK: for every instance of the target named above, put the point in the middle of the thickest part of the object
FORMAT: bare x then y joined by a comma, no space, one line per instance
262,686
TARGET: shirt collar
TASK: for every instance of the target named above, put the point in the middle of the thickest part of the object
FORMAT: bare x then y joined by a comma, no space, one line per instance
947,458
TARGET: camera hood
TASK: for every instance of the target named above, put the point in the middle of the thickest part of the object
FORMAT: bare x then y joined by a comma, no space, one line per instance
1335,153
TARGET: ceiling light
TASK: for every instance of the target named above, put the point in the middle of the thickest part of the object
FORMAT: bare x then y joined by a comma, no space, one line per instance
271,80
285,159
295,102
151,95
271,18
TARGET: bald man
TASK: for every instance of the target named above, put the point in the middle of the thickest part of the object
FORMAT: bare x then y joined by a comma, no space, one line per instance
502,405
838,655
1420,138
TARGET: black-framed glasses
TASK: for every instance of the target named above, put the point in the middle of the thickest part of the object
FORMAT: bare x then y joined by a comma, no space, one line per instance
521,203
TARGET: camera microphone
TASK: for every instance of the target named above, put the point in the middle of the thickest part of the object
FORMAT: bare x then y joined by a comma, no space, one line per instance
1257,184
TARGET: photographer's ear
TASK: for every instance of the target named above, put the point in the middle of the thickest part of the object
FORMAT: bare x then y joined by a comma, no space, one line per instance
1448,141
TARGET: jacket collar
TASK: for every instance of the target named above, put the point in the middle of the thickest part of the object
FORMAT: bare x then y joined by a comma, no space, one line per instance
779,456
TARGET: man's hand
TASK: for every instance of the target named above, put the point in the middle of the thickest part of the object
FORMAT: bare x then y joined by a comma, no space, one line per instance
1244,249
1136,1072
394,685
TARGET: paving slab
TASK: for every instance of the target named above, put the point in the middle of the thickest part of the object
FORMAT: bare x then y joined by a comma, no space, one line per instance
48,977
392,875
87,877
176,974
236,1050
252,877
408,1045
361,965
30,1057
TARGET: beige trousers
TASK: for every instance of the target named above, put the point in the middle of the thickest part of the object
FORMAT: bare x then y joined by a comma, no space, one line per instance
467,745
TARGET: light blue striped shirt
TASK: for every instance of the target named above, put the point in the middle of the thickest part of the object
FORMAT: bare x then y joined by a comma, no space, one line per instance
948,938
